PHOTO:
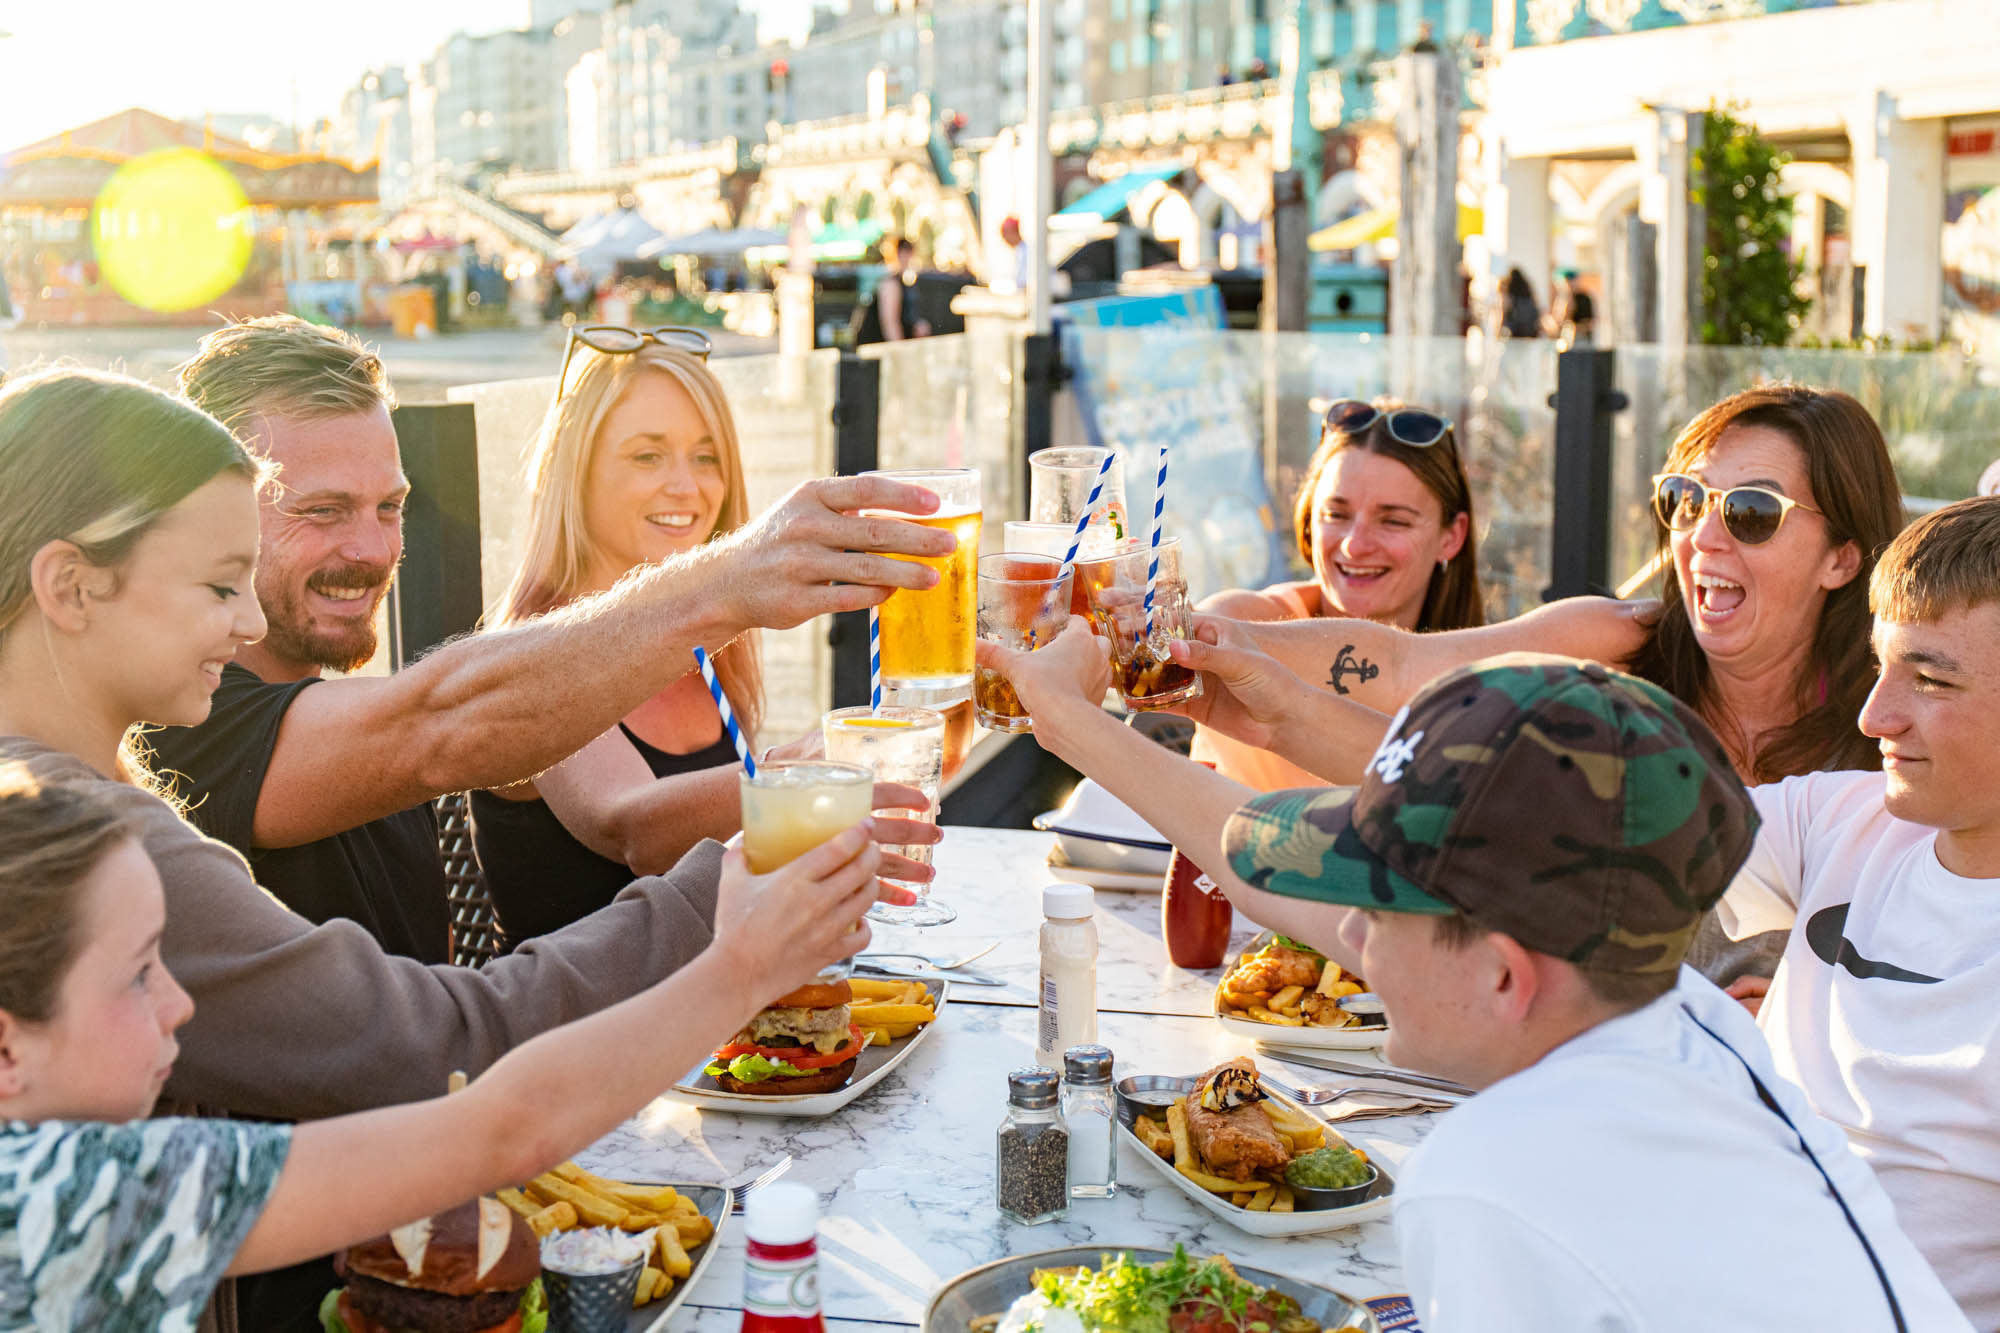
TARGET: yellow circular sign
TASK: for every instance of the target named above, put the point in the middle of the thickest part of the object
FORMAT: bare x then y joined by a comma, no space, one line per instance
172,230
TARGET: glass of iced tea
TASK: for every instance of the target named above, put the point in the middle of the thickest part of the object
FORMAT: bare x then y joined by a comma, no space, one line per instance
1047,539
1059,485
927,636
903,745
794,805
1116,588
1023,603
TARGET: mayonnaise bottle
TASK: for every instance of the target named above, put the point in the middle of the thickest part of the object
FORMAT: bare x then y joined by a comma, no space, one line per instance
1069,972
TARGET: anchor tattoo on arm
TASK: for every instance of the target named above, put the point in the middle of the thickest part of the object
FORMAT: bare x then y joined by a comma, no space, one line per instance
1345,663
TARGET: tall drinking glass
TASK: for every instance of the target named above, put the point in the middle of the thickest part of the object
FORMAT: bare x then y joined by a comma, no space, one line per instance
1059,486
956,708
927,636
794,805
1023,603
903,745
1146,677
1050,539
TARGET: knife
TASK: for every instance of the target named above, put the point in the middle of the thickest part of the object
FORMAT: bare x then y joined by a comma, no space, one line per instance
929,974
1291,1056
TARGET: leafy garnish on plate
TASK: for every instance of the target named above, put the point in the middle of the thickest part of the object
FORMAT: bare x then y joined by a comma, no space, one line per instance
1139,1298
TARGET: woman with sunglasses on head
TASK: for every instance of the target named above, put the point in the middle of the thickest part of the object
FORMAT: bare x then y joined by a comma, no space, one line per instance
1772,508
1384,518
637,460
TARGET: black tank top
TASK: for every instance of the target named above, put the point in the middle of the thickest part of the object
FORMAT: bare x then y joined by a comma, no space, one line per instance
540,876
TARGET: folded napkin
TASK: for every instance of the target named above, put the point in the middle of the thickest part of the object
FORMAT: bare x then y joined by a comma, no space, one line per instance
1374,1104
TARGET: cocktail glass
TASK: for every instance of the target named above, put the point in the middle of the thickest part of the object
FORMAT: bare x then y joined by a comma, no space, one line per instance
794,805
906,745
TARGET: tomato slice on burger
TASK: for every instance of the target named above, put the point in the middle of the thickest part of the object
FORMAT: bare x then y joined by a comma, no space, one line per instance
798,1057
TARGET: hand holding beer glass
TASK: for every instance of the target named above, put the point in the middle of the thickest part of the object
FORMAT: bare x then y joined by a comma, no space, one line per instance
927,636
1023,604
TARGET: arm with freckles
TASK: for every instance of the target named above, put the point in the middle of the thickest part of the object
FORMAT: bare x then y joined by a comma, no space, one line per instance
1186,802
494,708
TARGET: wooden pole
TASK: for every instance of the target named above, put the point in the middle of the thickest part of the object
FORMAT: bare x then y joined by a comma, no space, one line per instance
1424,280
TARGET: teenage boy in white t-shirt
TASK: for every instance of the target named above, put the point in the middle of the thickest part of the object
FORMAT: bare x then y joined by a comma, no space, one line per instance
1886,1005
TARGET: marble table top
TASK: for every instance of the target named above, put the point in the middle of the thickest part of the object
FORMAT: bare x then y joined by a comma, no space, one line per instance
994,878
906,1170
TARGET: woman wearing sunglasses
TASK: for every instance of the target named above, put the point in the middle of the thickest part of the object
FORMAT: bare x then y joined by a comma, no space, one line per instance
1384,519
637,460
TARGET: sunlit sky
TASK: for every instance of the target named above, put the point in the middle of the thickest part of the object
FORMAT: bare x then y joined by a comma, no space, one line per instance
66,64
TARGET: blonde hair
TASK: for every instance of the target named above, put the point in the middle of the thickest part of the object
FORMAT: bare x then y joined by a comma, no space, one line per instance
560,550
284,366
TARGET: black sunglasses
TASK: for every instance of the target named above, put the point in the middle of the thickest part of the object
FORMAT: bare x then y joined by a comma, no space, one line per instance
1750,514
1411,426
617,340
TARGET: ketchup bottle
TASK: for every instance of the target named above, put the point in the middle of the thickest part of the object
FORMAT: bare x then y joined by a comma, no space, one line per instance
781,1261
1195,915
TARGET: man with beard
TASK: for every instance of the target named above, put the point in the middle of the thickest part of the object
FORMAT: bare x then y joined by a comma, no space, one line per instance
326,785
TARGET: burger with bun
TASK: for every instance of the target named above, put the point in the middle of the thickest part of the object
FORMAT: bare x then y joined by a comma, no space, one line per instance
800,1043
474,1269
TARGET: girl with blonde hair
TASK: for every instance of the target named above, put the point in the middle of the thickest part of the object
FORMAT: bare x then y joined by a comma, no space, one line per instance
637,460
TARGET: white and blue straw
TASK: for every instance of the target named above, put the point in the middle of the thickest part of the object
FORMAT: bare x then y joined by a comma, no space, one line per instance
728,717
875,658
1159,508
1089,508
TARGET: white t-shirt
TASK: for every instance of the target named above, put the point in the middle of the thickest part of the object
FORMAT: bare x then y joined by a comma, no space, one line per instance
1886,1008
1631,1179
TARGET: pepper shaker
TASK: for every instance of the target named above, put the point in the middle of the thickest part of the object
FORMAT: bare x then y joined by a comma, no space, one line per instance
1031,1151
1090,1113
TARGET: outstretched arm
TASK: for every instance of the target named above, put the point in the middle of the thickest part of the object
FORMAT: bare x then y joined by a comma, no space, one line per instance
353,1177
494,708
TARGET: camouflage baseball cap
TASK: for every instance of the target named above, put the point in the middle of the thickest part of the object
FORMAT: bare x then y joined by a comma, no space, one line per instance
1584,812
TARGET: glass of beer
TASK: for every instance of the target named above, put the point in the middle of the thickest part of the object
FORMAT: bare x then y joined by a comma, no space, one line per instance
903,745
1059,486
927,636
794,805
1049,539
1116,587
1023,603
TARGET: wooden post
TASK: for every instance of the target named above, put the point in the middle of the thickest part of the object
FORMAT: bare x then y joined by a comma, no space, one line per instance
1424,301
1288,274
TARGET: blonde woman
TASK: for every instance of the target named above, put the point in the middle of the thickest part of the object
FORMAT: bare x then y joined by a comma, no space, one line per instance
637,460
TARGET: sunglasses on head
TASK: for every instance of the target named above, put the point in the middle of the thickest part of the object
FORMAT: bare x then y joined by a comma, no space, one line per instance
1750,514
616,340
1411,426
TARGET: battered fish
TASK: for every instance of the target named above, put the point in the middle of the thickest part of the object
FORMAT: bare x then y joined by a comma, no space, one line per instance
1239,1142
1273,968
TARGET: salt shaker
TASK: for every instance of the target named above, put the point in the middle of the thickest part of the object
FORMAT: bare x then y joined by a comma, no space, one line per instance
1069,972
1089,1112
1031,1151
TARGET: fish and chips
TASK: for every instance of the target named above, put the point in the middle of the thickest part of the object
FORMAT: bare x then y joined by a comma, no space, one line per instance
1288,984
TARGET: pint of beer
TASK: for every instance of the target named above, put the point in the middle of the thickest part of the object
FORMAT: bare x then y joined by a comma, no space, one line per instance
927,636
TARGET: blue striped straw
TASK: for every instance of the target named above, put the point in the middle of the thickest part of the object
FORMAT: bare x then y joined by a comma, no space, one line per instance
875,658
1089,508
1159,508
728,717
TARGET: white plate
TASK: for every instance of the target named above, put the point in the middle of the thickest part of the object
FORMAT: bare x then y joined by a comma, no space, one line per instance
1367,1037
1097,831
1308,1223
870,1068
1128,880
713,1200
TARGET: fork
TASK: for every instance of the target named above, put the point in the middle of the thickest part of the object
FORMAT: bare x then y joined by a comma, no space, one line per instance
1321,1096
943,964
740,1186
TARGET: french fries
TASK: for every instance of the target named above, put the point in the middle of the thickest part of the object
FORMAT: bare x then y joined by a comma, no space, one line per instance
886,1010
1172,1143
1291,1006
569,1196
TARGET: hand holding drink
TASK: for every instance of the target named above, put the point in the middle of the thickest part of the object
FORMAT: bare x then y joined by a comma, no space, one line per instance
1142,631
794,806
927,635
1023,603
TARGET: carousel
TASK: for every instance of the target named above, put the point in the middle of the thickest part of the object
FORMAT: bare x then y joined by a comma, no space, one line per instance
138,219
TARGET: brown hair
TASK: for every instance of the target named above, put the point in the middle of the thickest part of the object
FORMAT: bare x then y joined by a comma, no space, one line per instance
1854,484
557,553
1623,991
1451,601
1946,561
96,459
51,838
282,365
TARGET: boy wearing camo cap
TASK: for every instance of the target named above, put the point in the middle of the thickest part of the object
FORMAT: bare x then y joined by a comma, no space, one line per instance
1529,852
